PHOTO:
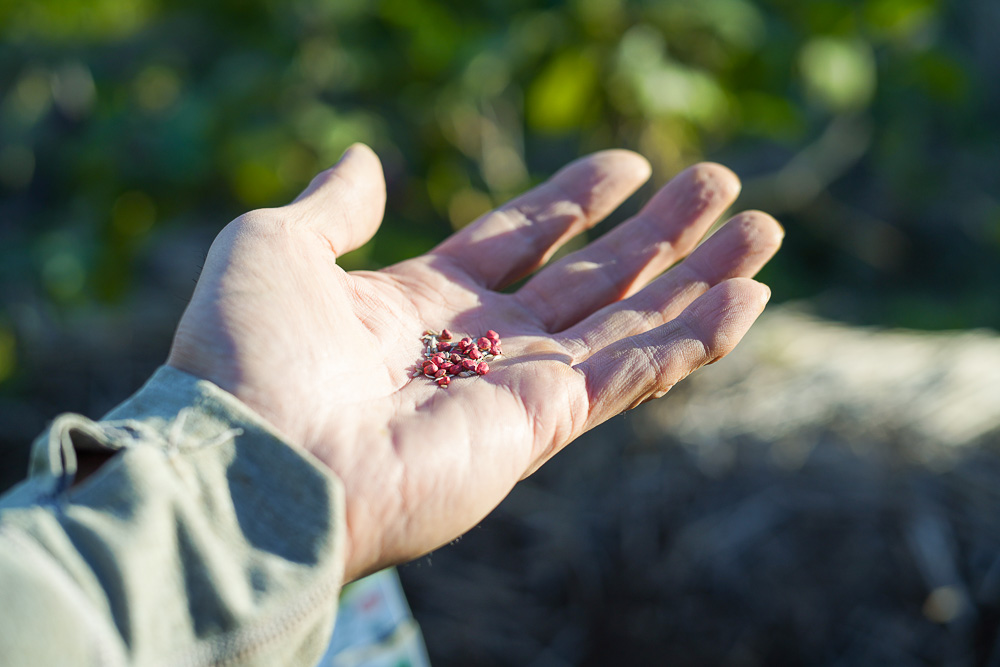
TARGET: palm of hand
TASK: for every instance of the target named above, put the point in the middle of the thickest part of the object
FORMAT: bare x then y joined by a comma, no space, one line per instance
326,355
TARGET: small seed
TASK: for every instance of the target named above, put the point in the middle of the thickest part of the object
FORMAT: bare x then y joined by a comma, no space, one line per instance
440,373
493,336
443,381
438,359
442,346
445,334
483,368
468,365
430,369
474,353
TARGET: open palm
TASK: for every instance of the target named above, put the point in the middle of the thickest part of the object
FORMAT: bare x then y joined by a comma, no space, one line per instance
327,355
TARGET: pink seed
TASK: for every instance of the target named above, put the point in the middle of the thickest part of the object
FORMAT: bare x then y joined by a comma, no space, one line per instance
483,343
474,353
468,365
493,336
465,342
440,373
430,369
443,381
438,359
445,335
483,368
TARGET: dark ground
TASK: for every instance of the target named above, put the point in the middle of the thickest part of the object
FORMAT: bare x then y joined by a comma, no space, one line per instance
826,496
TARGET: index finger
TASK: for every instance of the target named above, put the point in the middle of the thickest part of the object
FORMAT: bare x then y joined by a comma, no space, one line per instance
515,239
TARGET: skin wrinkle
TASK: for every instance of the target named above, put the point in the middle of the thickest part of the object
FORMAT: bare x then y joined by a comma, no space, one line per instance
707,351
593,190
536,237
642,319
325,240
619,283
422,278
544,307
367,303
707,191
660,255
575,348
583,213
324,181
534,426
540,426
455,270
348,210
402,487
361,471
658,370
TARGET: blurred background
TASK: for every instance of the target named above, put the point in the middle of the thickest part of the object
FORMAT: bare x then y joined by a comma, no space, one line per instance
851,524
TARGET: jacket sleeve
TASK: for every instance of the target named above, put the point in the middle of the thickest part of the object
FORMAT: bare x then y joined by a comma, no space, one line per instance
204,540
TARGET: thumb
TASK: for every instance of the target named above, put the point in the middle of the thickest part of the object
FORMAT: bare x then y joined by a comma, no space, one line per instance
346,202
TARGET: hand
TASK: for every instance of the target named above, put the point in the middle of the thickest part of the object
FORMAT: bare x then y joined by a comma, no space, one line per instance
326,355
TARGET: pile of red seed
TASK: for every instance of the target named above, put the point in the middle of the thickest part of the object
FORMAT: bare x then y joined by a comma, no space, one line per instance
445,358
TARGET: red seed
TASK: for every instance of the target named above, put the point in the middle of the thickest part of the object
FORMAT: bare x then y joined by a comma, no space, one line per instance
465,342
445,335
456,358
484,343
474,353
493,336
438,359
440,373
430,369
483,368
442,346
468,365
495,350
443,381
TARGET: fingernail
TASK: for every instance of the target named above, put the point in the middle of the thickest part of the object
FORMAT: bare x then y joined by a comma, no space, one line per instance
781,227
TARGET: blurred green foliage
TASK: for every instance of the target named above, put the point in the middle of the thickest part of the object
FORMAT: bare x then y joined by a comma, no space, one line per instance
867,126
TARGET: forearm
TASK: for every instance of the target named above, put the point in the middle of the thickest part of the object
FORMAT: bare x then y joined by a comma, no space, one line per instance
204,540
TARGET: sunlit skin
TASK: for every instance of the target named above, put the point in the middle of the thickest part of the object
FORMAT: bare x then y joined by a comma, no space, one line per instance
325,355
